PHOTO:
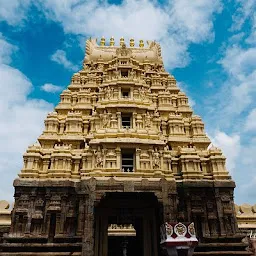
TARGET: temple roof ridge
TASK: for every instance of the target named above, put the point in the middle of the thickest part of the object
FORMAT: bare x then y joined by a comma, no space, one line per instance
96,52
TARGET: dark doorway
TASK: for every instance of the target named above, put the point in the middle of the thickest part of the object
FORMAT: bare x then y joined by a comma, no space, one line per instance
141,212
126,241
120,245
52,227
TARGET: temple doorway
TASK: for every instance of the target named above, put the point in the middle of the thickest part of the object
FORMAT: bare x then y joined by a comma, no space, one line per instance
127,224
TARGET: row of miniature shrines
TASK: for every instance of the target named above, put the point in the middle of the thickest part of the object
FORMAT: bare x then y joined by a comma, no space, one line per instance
126,95
64,162
108,121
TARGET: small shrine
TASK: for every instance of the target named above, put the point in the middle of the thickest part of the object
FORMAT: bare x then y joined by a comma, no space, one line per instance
178,238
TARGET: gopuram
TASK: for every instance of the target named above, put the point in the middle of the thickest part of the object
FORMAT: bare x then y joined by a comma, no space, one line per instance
123,168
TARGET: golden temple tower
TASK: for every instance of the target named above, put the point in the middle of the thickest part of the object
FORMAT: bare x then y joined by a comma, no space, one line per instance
122,148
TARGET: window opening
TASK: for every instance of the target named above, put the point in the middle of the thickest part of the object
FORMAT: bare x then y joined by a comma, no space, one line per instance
125,93
124,73
127,161
126,120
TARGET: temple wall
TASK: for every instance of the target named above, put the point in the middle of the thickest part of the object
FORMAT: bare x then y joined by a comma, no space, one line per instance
5,218
245,214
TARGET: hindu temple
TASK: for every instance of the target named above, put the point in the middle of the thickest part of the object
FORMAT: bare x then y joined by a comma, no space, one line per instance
123,168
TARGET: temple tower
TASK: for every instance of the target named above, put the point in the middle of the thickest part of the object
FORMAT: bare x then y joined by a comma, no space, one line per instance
122,151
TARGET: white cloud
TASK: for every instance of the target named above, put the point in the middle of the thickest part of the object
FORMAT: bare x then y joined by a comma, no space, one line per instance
238,91
194,19
244,11
51,88
235,99
14,11
6,49
60,57
230,144
250,124
246,174
239,62
20,124
175,25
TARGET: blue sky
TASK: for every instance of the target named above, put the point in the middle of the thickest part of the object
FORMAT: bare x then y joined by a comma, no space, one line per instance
208,45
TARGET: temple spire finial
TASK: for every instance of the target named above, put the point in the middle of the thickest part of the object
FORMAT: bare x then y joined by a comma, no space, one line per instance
122,41
141,44
131,42
102,41
112,41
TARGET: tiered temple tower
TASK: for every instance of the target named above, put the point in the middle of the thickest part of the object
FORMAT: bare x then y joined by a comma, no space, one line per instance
122,147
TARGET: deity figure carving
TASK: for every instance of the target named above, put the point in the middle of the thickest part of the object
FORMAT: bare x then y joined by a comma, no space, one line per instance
123,51
142,93
156,159
105,119
156,114
132,74
98,158
109,92
148,120
100,67
116,74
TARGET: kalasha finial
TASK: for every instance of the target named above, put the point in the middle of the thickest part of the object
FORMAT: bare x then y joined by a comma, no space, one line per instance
122,41
102,41
132,42
112,41
141,43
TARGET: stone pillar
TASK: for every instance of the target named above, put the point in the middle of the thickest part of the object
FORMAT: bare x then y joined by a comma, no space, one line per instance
80,218
220,213
206,230
119,121
118,158
169,198
88,237
137,158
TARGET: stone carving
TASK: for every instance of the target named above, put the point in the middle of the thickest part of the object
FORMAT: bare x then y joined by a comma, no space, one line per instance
148,119
156,159
132,74
100,67
98,158
123,51
128,186
109,92
116,74
142,93
105,119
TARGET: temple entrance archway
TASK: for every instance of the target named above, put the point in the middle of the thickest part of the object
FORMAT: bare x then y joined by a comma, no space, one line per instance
127,224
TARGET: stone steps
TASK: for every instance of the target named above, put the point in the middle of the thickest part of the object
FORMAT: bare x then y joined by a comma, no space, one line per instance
237,253
222,248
